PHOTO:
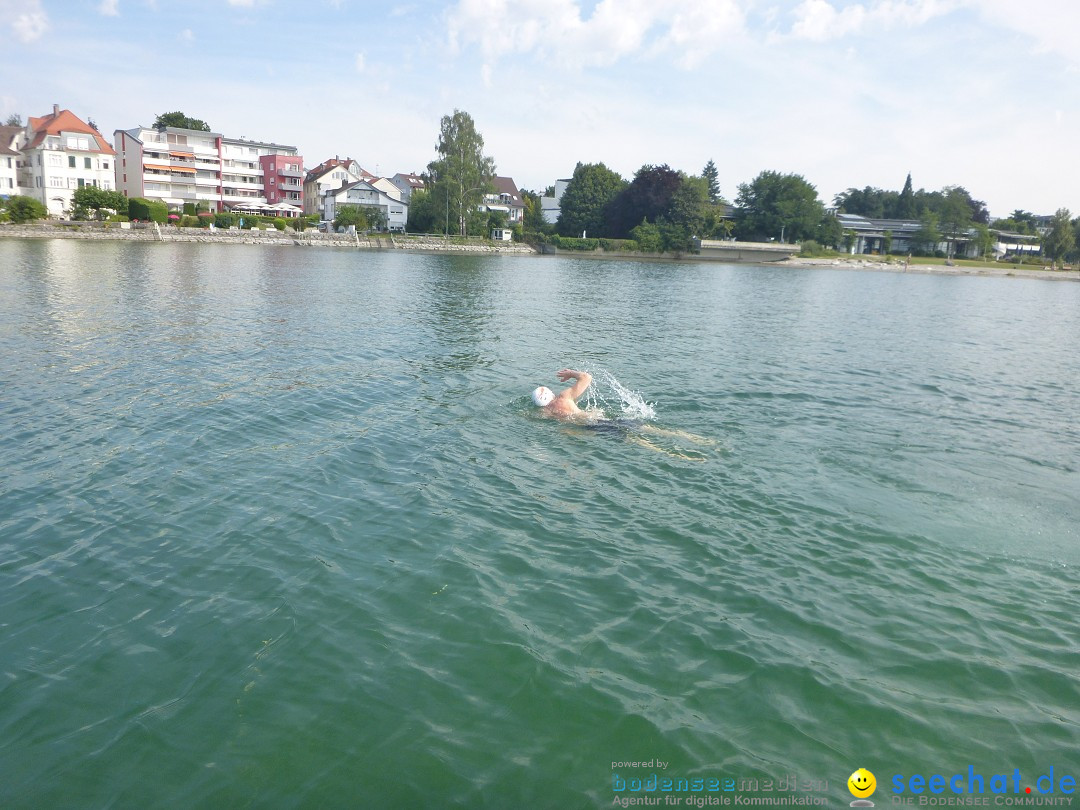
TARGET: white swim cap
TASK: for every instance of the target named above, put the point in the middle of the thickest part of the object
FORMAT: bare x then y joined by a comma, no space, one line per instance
543,396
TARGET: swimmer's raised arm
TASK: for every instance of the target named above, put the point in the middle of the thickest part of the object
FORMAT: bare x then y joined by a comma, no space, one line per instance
582,380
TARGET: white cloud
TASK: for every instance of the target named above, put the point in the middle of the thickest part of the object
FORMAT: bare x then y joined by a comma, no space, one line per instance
1052,24
27,18
242,3
558,31
109,8
359,62
820,20
187,35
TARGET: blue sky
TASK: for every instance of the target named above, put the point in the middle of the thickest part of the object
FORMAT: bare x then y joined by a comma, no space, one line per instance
978,93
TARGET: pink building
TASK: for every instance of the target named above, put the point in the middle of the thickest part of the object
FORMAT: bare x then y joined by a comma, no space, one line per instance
283,179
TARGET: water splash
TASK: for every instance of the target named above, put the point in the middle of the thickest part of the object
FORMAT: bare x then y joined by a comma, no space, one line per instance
616,400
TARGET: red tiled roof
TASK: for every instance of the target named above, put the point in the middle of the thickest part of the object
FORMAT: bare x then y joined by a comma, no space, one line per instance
65,121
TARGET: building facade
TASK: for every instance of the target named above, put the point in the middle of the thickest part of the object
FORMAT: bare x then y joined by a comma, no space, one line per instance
407,183
549,206
364,193
179,166
330,174
9,161
59,153
507,199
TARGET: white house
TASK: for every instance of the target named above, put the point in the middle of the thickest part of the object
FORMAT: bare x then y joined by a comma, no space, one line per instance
506,198
408,183
366,193
60,153
330,174
9,161
549,206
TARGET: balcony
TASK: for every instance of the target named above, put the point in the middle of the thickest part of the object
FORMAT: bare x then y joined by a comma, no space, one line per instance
290,173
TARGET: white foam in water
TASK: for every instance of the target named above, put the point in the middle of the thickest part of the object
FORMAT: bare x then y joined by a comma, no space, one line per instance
615,399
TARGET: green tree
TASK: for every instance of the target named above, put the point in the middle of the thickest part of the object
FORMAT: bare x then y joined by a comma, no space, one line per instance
22,209
586,199
180,121
712,180
462,172
423,216
533,219
905,203
830,232
355,215
91,199
13,120
647,197
954,216
982,239
777,206
1060,239
648,237
925,240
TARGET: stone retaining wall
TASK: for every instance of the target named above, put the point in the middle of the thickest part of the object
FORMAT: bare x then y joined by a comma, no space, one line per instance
171,233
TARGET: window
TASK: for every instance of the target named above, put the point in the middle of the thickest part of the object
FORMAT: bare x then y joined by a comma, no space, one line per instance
71,161
56,160
104,164
78,142
56,182
87,163
81,182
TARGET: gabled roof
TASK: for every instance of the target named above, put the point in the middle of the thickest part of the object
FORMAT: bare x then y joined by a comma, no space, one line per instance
334,163
414,180
7,135
65,121
506,185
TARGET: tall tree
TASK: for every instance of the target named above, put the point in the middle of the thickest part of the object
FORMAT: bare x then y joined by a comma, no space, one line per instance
13,120
1060,239
462,172
954,216
647,198
905,204
712,179
777,206
180,121
586,198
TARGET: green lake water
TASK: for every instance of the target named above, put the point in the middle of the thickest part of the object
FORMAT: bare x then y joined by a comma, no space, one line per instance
280,528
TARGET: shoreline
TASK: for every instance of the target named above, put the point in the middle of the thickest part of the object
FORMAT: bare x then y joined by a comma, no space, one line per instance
422,244
987,270
96,231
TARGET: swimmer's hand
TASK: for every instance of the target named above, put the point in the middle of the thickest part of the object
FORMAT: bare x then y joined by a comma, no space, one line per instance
583,380
569,374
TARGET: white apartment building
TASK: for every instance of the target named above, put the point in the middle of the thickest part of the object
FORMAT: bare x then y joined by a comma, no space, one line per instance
9,160
58,154
180,166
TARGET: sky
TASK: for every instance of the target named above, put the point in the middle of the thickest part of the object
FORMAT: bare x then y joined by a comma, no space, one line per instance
978,93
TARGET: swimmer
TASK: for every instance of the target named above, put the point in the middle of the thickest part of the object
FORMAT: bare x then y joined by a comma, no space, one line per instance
563,405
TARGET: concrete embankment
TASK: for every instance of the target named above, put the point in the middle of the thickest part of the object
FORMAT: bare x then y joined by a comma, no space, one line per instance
99,231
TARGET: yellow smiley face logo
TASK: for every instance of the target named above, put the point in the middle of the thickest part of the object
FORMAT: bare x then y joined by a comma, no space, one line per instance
861,783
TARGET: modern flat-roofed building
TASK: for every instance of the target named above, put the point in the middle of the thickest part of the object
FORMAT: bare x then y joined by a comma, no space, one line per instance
180,166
